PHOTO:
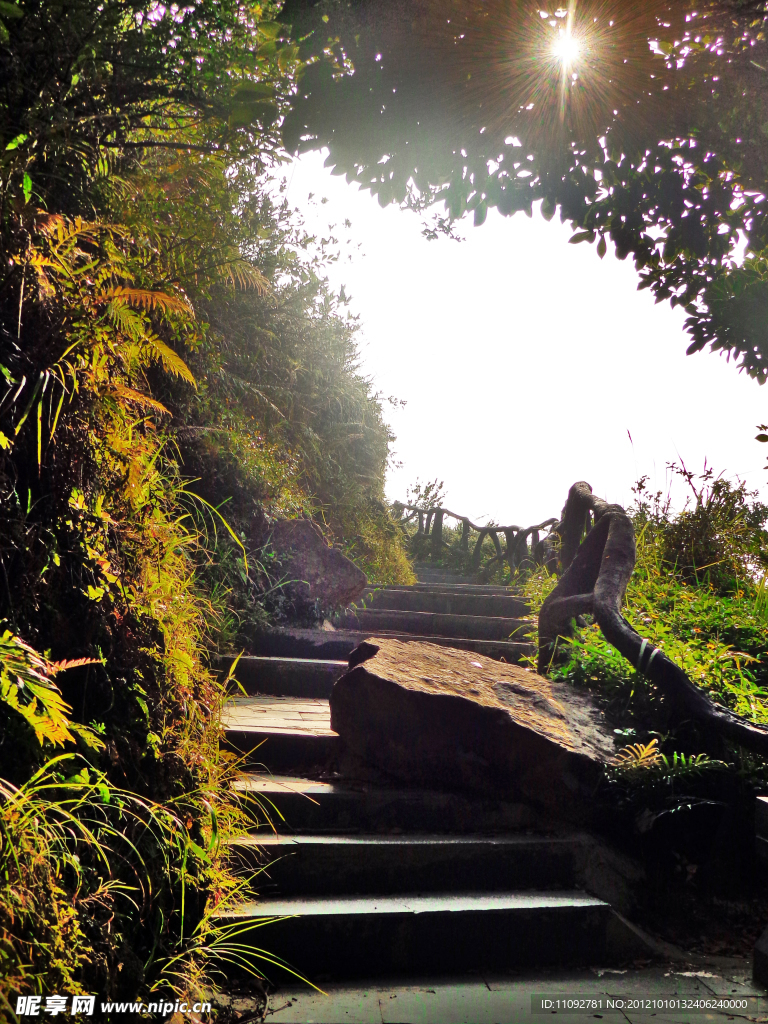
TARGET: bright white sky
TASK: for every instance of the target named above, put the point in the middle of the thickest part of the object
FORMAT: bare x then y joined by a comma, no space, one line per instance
524,361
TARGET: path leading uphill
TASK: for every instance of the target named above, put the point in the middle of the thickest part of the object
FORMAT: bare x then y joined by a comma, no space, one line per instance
377,880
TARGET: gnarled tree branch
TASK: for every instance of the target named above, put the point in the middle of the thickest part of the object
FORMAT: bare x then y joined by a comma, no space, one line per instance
597,571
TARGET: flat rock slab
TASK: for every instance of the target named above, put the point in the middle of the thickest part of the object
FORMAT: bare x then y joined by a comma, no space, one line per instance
430,714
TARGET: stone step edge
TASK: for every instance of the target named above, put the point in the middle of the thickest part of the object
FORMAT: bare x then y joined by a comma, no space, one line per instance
300,785
279,659
427,839
382,613
392,634
278,730
349,639
412,903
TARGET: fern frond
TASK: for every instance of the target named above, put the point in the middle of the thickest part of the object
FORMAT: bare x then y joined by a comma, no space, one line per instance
126,394
248,276
26,686
145,299
36,259
172,362
638,755
54,667
50,224
127,320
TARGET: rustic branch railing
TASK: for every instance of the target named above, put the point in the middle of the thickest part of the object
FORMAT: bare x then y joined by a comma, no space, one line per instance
515,537
595,574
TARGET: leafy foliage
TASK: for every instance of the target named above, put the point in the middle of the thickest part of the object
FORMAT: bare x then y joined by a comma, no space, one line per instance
26,685
78,854
653,138
175,371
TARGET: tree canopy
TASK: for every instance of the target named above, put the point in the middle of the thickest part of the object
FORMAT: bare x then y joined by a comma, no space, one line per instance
642,124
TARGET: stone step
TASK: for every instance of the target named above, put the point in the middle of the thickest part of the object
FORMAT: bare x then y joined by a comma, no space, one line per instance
444,602
470,627
456,588
434,574
281,733
352,936
286,677
338,644
386,864
301,805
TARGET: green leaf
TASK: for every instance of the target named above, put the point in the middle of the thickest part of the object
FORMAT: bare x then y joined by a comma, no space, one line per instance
26,185
269,29
582,236
15,143
548,209
12,11
243,114
762,437
247,91
601,247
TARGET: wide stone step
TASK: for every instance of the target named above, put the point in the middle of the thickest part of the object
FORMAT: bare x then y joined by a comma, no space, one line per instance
357,935
386,864
445,602
309,806
482,589
434,574
281,733
470,627
338,644
286,677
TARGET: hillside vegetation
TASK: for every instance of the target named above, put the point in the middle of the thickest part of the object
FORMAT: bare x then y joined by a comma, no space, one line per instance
175,373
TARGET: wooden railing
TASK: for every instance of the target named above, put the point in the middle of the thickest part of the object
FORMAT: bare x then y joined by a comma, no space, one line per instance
430,524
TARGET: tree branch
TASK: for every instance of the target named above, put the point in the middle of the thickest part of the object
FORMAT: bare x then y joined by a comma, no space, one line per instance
596,580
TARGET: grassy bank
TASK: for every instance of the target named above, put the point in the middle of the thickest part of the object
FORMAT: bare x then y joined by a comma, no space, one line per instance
176,374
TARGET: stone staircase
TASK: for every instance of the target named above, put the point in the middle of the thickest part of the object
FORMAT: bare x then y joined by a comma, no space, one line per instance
487,620
372,878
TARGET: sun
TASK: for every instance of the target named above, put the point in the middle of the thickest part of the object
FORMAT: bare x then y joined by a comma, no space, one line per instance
566,48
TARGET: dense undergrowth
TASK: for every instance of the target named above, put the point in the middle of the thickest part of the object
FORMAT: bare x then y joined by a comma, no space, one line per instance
176,373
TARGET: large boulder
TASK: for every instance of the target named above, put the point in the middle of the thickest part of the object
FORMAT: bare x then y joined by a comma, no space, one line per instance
317,573
440,716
